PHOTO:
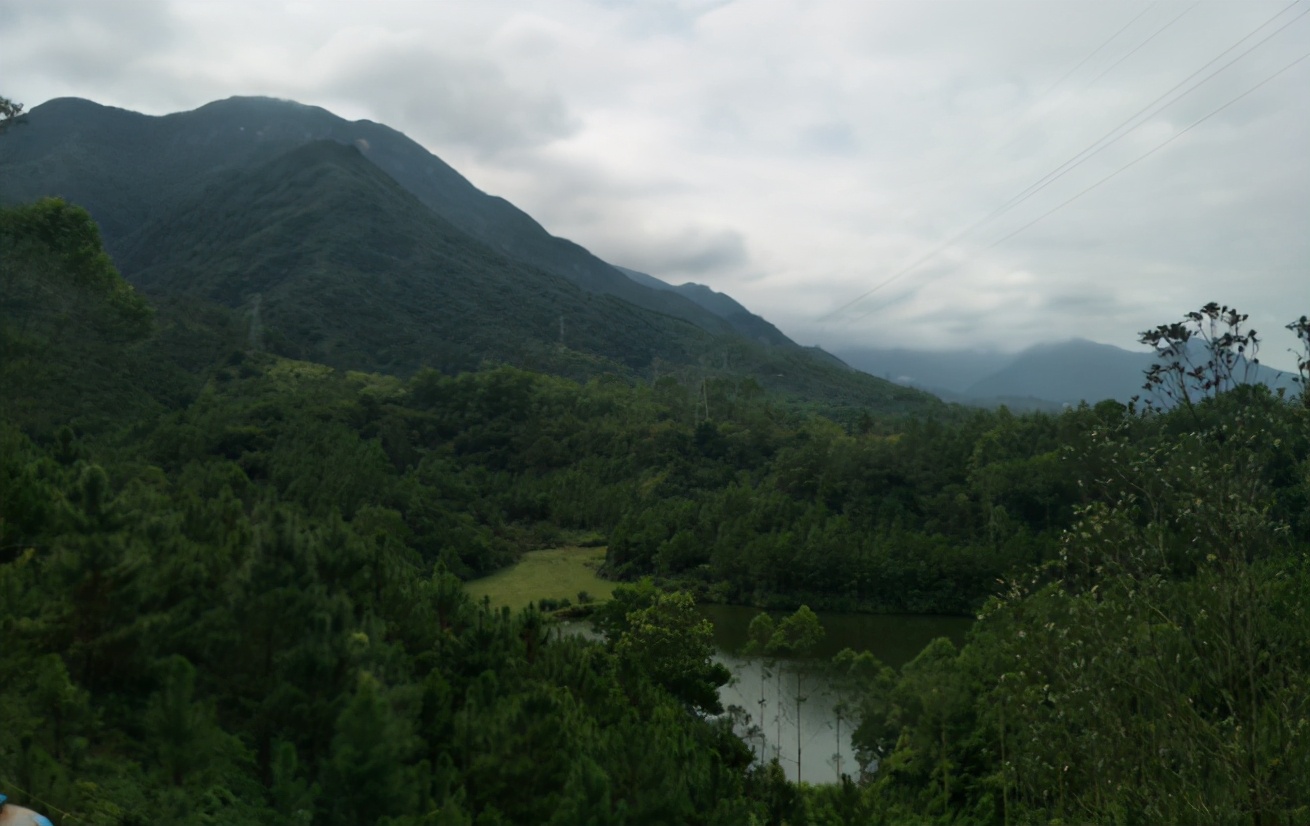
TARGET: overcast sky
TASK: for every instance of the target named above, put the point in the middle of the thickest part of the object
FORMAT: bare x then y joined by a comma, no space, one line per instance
832,165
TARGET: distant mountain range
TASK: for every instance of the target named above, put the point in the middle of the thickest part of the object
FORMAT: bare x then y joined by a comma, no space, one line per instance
348,243
1044,376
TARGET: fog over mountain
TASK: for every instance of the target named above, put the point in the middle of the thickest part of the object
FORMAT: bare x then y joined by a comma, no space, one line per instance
1045,376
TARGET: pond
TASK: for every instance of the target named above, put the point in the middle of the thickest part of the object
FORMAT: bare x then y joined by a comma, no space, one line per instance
776,727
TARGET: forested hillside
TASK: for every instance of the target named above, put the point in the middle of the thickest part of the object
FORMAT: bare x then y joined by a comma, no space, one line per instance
1155,669
231,584
214,616
349,244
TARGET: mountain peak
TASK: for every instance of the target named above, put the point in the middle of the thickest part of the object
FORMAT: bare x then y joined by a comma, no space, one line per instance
262,104
362,248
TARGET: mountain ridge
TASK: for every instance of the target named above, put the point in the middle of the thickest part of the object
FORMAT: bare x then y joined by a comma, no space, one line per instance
189,210
1047,375
721,304
160,155
323,238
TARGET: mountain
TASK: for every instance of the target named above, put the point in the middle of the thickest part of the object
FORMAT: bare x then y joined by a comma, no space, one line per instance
1044,376
124,167
944,372
348,243
338,264
1067,372
724,306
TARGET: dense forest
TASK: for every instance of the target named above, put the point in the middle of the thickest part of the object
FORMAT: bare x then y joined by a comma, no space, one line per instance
231,584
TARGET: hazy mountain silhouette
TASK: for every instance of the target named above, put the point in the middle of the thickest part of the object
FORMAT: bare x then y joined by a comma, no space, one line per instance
949,372
1044,376
1067,372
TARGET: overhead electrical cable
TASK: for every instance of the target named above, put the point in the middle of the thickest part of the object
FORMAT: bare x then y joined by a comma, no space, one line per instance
1146,155
1133,162
1029,120
1091,150
1153,35
1094,53
1145,113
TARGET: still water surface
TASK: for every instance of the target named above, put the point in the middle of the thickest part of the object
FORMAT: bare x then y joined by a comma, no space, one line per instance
774,728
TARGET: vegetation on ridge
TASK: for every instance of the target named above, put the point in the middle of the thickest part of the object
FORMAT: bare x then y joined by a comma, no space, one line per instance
381,258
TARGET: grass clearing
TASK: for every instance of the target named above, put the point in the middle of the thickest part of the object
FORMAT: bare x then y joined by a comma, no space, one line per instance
555,573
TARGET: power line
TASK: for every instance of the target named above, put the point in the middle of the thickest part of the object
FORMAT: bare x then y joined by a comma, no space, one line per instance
1024,125
1136,160
1097,51
1139,46
1146,155
1141,115
1028,120
1091,150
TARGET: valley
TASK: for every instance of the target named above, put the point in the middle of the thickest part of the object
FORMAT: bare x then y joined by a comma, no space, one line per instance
296,426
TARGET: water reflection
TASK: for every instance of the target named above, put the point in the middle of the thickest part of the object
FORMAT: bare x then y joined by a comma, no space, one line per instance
763,691
893,638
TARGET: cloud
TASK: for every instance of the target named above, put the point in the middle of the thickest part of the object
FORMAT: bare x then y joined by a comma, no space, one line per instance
829,138
83,46
442,99
794,153
661,18
685,253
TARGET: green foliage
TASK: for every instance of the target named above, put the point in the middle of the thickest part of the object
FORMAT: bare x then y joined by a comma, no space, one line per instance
203,660
55,263
757,505
796,635
65,315
1301,329
11,114
367,763
1156,669
670,644
243,603
1208,353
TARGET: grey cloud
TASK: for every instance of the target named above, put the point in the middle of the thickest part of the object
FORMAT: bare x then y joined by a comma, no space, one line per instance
74,14
1083,303
652,18
90,44
448,100
687,253
830,139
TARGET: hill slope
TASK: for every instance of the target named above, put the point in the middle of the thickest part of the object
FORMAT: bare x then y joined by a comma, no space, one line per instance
350,244
125,167
334,262
724,306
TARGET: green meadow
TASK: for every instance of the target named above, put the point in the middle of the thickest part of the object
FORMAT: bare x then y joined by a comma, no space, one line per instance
556,573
